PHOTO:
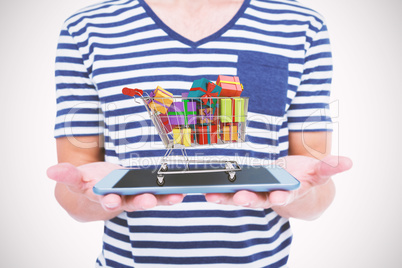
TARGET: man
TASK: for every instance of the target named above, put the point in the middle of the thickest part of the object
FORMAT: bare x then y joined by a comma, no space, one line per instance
280,51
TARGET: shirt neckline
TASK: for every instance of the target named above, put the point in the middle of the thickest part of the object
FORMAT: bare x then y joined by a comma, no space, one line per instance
182,39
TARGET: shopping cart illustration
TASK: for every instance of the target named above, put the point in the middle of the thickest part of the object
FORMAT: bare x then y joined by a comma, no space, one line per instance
185,122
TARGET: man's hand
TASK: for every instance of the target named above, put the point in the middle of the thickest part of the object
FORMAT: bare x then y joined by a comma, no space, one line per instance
80,181
315,178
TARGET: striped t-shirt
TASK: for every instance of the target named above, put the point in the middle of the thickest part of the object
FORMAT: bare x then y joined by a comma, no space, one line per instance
281,53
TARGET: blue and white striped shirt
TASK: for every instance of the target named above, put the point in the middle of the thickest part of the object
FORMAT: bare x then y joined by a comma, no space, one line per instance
279,49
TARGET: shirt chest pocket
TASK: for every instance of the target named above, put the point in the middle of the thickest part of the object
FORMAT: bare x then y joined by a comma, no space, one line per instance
265,80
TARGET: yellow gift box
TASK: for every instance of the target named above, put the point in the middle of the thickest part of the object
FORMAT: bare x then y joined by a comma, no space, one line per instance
160,100
182,136
229,132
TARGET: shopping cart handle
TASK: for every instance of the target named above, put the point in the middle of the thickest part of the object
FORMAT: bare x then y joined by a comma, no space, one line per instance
132,92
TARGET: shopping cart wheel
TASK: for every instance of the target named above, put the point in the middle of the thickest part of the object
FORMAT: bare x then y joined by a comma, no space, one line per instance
160,180
164,168
232,176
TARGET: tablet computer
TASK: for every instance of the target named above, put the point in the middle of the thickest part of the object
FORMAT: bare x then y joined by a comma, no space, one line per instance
144,180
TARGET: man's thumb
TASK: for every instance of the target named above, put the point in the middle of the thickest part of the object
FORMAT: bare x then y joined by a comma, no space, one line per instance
65,173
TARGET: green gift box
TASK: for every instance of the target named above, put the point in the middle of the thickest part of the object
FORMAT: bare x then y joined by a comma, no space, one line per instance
232,110
204,91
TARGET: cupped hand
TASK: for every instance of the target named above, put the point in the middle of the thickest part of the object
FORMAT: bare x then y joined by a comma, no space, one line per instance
309,171
80,180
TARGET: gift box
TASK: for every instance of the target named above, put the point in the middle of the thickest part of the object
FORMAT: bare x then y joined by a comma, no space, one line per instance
205,91
231,110
207,134
183,113
182,136
160,100
193,135
164,119
207,115
230,85
229,132
190,108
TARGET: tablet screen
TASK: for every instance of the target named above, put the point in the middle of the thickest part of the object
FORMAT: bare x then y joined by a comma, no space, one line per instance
147,178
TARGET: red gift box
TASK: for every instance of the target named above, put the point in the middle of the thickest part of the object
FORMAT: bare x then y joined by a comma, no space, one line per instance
207,134
166,123
230,85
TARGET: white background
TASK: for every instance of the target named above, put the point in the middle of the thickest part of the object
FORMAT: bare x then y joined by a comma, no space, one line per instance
361,229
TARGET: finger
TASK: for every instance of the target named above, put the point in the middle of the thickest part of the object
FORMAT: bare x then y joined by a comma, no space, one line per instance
139,202
332,165
96,171
111,202
170,199
281,198
114,202
67,174
220,198
251,199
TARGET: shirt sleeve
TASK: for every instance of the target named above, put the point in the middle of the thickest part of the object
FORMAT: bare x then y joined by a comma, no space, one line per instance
309,110
78,105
